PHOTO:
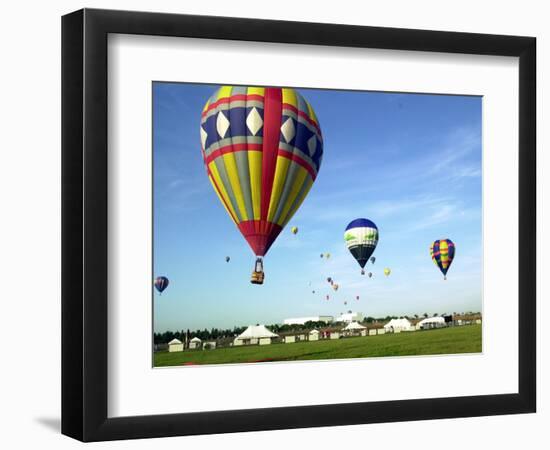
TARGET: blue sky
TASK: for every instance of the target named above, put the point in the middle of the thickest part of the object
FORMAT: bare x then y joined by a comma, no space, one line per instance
410,163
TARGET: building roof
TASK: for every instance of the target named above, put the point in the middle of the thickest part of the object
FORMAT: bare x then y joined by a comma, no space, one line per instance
175,341
195,339
256,332
354,326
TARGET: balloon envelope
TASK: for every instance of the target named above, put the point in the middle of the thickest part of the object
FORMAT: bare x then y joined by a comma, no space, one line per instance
387,271
227,259
161,283
294,230
361,237
442,252
262,148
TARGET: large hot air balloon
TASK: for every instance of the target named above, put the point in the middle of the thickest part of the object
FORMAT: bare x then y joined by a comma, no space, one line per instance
262,148
361,237
161,283
442,252
294,230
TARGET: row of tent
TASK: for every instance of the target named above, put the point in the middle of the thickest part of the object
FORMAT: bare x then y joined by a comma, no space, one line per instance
260,334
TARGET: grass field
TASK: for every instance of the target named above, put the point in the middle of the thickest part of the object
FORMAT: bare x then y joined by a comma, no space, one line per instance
465,339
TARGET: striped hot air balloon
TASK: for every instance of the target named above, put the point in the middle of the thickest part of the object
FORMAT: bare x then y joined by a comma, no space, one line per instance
442,252
361,237
262,148
161,283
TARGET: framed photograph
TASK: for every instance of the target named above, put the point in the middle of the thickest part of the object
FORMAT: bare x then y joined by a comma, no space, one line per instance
273,224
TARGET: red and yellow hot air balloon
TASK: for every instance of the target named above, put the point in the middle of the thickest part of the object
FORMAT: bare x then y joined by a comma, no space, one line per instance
442,252
262,148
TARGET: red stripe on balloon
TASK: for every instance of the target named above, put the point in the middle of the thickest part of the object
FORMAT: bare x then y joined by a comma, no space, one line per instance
272,129
234,98
232,149
303,115
299,161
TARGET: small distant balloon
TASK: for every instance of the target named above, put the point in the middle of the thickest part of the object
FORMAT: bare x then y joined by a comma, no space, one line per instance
328,297
370,274
322,255
345,303
327,255
294,230
313,292
357,297
329,279
335,286
227,259
387,271
161,283
372,259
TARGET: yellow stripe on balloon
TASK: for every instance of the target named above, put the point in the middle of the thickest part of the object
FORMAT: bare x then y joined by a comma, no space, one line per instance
255,168
289,97
225,91
444,256
222,193
281,170
295,190
255,91
308,183
206,106
311,113
233,175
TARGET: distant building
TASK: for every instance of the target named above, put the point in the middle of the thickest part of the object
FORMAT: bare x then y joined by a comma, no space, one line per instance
350,317
303,320
175,345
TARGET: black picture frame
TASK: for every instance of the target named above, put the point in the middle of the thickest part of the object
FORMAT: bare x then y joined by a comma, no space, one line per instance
84,224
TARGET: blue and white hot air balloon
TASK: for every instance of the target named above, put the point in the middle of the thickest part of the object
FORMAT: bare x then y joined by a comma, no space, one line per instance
361,237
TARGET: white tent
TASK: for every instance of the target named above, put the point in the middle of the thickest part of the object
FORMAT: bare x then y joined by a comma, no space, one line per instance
175,345
354,329
398,325
254,334
354,326
195,342
314,335
431,322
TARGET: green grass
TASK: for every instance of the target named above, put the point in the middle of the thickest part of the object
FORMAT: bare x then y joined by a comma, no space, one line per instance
465,339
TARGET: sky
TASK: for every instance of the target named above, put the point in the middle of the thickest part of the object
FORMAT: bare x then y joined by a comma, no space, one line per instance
411,163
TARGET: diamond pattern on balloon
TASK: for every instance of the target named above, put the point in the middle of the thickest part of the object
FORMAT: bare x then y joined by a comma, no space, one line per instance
289,130
254,121
312,145
204,136
222,124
